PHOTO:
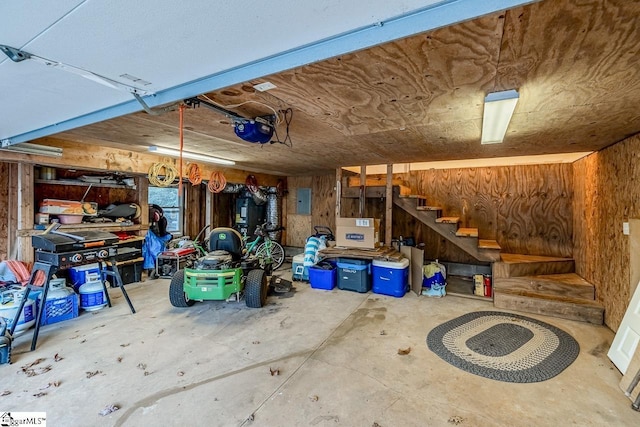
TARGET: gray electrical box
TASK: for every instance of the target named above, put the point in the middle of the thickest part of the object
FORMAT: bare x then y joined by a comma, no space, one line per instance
304,201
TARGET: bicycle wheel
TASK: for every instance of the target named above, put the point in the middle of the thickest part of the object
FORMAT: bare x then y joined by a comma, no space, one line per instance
277,253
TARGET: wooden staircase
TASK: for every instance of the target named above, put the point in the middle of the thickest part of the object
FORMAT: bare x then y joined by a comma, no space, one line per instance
528,283
448,227
544,285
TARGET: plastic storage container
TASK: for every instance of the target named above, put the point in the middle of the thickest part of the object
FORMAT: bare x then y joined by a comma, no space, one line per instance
322,278
61,303
300,272
353,275
78,275
389,277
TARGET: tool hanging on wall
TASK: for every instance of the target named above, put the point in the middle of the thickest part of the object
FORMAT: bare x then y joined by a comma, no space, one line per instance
162,174
195,174
217,182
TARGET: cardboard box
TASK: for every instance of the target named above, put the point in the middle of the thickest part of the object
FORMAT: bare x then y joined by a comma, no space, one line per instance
42,218
358,232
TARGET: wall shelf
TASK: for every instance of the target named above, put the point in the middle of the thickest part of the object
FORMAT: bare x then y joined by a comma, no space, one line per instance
110,227
83,183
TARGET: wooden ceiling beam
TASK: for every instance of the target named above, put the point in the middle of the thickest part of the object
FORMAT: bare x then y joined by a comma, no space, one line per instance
94,157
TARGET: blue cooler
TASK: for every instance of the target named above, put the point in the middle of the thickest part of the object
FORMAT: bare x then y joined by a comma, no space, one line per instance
390,277
299,271
78,275
322,278
354,274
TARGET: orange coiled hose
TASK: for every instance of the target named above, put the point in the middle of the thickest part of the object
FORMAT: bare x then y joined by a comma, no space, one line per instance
195,174
217,182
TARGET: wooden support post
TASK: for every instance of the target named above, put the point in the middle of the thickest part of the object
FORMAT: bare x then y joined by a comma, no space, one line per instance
142,184
13,244
363,190
388,219
26,210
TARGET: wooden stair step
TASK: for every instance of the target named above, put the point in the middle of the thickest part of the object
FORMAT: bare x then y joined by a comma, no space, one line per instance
448,220
447,231
516,265
428,208
488,244
563,285
467,232
564,307
413,196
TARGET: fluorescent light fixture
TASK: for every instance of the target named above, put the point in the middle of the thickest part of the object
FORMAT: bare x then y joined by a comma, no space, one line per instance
35,149
188,155
498,109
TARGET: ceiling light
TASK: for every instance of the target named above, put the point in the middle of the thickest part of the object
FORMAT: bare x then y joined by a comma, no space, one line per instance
189,155
263,87
498,109
35,149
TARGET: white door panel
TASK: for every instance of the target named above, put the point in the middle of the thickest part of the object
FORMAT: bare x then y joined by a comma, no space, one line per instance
626,340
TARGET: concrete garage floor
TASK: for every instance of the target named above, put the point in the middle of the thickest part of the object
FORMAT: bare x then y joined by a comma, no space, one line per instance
210,365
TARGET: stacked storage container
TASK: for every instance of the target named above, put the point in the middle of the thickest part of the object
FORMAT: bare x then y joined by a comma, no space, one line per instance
354,274
61,303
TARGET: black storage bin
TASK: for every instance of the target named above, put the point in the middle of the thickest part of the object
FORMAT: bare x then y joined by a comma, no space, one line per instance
354,275
130,273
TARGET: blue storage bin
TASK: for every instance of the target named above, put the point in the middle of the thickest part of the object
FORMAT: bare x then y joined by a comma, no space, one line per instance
354,276
59,309
390,278
322,278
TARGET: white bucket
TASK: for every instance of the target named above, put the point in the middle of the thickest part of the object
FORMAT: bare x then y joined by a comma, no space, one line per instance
92,296
10,302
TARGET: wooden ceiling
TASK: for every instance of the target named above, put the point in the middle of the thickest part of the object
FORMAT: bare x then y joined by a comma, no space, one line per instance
575,63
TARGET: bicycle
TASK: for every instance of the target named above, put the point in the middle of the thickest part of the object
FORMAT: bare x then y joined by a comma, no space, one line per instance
265,249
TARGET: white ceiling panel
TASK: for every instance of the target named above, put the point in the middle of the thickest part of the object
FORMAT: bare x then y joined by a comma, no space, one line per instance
52,100
24,20
168,44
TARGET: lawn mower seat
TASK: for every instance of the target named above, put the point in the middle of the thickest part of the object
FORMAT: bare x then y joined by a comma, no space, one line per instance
226,239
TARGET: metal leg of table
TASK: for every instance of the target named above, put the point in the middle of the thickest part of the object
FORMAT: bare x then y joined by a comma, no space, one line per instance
48,270
117,281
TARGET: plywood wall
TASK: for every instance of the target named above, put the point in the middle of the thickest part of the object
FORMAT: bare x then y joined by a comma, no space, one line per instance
527,209
607,193
323,204
4,209
298,226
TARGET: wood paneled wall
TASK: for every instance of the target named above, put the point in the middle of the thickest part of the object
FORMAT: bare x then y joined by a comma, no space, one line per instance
606,194
527,209
323,204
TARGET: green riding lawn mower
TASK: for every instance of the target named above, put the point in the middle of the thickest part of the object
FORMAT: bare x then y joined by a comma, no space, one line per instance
223,273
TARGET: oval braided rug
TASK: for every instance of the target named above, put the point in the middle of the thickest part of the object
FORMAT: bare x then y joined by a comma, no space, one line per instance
504,346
